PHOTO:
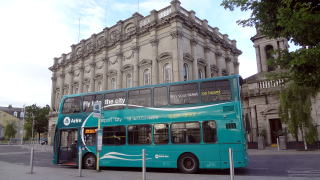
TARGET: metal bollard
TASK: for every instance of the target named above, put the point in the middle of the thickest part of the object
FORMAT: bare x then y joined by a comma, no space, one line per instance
278,144
31,161
143,164
80,162
231,164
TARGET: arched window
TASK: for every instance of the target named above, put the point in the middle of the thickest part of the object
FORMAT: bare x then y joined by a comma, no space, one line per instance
113,83
129,80
147,77
185,72
99,86
269,55
166,73
200,74
87,88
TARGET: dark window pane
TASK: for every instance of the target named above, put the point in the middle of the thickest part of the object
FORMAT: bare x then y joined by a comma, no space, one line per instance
160,96
213,91
140,97
161,134
210,131
71,105
114,135
87,105
185,132
184,94
113,101
139,134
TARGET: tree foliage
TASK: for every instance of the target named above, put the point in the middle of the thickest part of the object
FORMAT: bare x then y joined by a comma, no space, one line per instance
298,21
40,117
10,130
295,110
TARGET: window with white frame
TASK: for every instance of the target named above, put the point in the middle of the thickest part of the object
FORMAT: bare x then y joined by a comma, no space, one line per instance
99,87
129,80
200,74
185,72
113,83
167,73
147,76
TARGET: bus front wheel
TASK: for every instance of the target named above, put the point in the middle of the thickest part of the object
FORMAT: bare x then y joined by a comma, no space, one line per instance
89,161
188,163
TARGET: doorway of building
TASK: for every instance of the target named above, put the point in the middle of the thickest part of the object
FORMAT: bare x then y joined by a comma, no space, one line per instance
275,129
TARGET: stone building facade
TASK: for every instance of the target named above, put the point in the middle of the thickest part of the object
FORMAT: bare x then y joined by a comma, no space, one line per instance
261,96
168,45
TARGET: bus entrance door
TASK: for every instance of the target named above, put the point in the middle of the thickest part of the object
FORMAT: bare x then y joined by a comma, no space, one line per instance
68,147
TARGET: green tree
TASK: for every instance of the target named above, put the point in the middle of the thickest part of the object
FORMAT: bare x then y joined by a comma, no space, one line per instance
38,116
295,111
10,130
298,21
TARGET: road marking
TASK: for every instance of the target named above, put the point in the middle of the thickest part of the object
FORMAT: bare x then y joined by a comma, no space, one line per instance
307,172
259,168
12,153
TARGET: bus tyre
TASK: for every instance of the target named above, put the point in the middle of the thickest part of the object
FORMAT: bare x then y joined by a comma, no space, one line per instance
188,163
89,161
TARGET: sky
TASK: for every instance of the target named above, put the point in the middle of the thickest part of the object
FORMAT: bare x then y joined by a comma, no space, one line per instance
33,32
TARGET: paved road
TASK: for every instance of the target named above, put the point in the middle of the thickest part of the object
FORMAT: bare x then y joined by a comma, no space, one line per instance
266,163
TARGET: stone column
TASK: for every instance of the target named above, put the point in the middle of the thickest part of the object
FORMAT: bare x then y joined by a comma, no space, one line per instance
53,90
195,61
136,66
81,68
155,73
119,72
71,74
236,67
92,74
105,73
62,76
220,60
177,57
258,57
208,60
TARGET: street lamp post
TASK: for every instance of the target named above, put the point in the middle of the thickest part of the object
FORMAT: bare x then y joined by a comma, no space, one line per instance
32,127
22,129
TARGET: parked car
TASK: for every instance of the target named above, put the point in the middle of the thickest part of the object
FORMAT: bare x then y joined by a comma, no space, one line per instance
43,141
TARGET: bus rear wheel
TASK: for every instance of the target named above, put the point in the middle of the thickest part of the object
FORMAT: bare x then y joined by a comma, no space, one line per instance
89,161
188,163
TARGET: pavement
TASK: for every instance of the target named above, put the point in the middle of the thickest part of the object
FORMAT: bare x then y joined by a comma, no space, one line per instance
11,171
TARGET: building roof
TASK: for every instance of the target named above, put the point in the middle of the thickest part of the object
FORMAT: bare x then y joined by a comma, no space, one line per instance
14,111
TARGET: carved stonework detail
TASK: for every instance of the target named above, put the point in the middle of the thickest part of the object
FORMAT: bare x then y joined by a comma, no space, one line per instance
207,49
145,62
188,57
193,42
135,48
93,65
218,53
176,34
127,67
62,75
112,73
113,62
130,56
164,56
87,69
214,68
154,42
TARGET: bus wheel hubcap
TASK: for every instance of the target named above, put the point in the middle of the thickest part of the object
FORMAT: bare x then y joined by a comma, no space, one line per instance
188,163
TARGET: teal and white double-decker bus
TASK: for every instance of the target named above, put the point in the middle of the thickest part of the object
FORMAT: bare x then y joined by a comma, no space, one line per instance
186,125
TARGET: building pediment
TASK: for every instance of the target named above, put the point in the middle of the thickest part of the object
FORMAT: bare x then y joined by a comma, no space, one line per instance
145,62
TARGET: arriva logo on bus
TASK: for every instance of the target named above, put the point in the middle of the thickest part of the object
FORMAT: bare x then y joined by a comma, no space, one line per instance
67,121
